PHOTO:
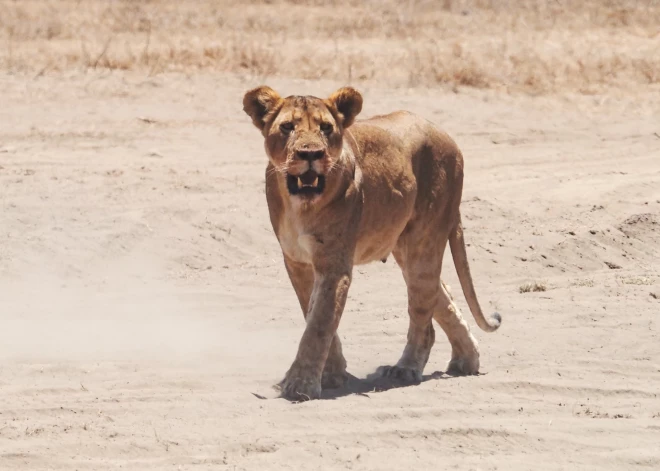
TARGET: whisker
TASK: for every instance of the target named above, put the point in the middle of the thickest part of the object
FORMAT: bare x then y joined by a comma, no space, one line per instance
334,165
282,169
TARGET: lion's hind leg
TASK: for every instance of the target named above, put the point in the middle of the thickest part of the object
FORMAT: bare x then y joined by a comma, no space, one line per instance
464,347
421,271
419,253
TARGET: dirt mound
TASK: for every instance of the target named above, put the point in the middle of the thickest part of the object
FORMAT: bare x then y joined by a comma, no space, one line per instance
644,227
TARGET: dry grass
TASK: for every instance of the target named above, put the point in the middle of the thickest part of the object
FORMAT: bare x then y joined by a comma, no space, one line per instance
637,280
586,282
533,287
528,45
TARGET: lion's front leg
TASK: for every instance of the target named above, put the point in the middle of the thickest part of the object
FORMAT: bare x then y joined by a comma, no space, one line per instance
334,372
302,278
327,301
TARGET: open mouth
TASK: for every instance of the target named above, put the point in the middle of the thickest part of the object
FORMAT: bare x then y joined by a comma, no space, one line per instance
308,183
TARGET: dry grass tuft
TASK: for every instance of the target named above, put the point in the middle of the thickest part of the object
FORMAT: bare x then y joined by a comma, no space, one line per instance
637,280
533,287
586,282
533,46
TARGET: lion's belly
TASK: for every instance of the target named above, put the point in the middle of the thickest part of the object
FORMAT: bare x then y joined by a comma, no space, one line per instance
372,250
386,211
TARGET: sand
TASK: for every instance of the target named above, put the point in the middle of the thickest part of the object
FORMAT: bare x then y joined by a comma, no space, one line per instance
146,312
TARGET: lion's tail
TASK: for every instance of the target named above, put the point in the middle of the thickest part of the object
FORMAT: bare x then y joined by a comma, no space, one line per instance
459,254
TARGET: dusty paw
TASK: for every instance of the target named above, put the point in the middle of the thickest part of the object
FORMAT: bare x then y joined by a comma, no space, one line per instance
400,373
333,380
463,365
297,387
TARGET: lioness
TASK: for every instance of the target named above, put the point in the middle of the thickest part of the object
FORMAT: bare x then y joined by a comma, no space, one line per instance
341,193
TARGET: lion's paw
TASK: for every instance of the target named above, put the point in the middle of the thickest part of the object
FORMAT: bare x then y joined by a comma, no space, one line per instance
401,374
463,365
298,387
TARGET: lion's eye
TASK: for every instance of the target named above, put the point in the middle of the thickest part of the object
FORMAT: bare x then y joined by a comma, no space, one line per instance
326,128
287,127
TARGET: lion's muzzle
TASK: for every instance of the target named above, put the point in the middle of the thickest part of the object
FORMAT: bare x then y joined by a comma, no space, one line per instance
305,177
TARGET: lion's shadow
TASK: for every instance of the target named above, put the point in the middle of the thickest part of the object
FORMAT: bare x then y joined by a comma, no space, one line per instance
375,383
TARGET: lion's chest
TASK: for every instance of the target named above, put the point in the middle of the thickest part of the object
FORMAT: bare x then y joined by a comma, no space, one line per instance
295,242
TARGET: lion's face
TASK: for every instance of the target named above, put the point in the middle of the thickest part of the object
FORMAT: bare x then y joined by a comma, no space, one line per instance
303,142
303,135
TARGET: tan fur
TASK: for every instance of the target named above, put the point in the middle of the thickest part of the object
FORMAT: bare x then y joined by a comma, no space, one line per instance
393,185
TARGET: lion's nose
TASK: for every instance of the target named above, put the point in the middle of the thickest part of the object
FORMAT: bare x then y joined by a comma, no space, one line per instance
310,155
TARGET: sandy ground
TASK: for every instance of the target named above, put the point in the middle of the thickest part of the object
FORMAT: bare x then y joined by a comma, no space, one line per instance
145,308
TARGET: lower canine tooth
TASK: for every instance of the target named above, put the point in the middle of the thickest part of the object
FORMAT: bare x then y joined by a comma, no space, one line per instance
316,181
300,183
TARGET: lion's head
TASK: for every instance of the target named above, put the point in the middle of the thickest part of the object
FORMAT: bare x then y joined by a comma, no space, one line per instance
303,135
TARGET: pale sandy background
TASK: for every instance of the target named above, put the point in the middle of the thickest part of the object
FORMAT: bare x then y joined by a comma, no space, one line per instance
143,300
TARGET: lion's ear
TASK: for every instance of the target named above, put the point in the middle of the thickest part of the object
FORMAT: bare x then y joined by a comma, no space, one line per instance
259,102
348,102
